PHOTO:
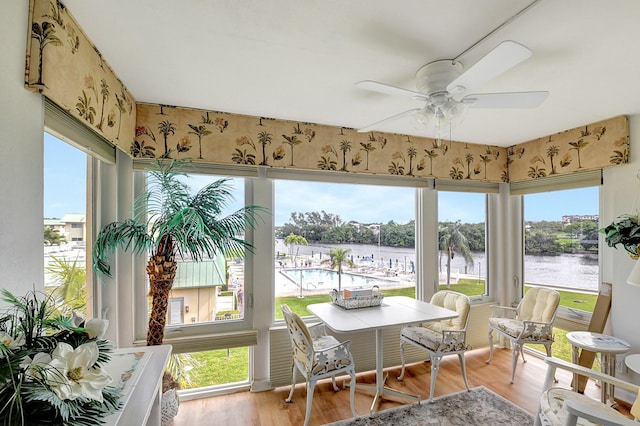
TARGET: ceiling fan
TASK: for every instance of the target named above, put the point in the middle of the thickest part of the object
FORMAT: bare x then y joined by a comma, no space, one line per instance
446,88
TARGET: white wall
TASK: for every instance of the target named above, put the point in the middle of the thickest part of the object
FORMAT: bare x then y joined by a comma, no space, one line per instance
21,144
620,192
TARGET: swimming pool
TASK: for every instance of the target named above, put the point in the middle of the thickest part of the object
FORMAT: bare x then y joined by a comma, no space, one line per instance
315,278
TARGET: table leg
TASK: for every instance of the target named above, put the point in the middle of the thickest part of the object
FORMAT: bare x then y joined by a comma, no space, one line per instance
575,356
608,367
380,388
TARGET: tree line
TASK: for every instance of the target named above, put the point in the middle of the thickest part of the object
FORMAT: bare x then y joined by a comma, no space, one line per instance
541,237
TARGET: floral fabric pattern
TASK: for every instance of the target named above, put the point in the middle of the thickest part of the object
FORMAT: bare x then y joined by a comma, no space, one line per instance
553,413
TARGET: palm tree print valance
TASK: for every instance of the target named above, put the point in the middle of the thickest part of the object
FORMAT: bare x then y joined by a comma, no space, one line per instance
223,138
65,66
590,147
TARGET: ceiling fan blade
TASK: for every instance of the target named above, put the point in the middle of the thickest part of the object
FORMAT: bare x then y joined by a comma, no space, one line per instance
506,55
505,100
387,89
377,124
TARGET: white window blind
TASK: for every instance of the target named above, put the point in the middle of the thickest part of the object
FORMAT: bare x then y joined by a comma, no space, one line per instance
66,127
558,182
465,185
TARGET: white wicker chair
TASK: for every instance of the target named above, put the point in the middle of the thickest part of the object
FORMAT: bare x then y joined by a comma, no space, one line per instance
560,406
531,322
440,338
317,356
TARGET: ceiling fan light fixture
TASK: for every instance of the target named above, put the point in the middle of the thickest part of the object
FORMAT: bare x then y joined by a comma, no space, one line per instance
422,119
456,112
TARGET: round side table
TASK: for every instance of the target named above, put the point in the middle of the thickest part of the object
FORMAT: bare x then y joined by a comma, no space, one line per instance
608,346
633,363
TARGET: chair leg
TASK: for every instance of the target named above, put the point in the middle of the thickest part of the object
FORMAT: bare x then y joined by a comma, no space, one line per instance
537,421
514,360
352,392
435,366
293,383
311,385
333,381
464,370
401,376
490,347
522,353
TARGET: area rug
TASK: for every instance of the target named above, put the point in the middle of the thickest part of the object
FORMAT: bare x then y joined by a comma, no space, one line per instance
479,407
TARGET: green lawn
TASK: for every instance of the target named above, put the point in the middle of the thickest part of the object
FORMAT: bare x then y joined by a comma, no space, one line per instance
216,367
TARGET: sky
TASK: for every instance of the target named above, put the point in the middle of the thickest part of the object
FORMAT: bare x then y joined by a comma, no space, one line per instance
64,186
64,178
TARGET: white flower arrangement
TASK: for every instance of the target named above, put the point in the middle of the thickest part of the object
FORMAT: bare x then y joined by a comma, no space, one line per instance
51,371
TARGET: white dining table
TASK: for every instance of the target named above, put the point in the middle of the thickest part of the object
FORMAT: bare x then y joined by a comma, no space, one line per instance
394,311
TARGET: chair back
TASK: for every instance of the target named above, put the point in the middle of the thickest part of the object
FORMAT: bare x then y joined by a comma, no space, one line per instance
539,304
301,341
456,302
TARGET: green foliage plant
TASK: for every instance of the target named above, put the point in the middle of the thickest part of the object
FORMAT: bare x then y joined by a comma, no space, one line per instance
624,230
52,372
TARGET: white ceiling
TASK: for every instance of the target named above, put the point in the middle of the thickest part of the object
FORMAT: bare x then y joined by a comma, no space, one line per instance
299,59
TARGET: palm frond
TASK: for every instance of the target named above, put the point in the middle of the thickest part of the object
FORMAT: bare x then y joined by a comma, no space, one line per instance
128,235
167,193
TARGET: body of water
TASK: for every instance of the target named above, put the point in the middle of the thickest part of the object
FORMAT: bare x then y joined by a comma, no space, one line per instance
578,271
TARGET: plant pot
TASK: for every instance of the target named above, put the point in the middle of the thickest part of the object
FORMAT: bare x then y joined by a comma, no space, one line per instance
169,406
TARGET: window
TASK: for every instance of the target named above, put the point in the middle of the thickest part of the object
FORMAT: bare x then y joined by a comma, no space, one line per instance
561,247
210,290
462,262
374,226
561,252
65,194
208,321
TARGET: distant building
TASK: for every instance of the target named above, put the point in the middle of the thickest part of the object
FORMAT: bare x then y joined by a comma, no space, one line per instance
72,227
195,293
55,225
75,226
569,219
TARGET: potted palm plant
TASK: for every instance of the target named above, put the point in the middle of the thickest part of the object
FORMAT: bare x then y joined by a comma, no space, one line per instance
624,230
170,221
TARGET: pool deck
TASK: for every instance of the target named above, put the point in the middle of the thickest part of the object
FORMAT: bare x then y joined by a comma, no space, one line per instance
286,286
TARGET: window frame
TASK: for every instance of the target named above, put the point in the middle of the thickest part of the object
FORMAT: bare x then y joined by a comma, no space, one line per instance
490,284
589,178
195,337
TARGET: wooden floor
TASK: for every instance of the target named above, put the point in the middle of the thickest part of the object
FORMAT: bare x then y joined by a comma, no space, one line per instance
269,408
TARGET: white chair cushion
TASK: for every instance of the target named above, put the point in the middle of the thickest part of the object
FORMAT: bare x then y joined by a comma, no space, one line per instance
324,342
455,302
427,337
539,304
552,401
514,327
